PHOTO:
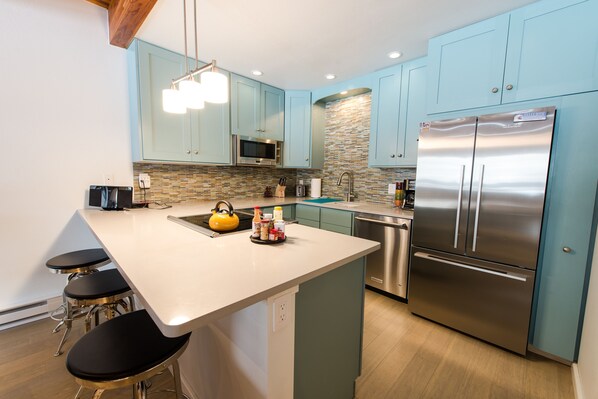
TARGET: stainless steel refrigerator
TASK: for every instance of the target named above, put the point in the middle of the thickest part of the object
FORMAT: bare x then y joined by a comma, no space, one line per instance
481,185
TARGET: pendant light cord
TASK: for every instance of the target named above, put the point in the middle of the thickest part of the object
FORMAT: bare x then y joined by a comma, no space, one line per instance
195,23
185,31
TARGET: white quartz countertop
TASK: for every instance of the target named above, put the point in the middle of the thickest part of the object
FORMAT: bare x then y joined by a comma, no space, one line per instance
186,279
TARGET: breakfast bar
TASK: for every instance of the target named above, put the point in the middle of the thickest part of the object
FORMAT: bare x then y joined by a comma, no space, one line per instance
268,321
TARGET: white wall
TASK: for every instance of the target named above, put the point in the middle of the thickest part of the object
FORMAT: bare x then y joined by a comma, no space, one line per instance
587,365
64,123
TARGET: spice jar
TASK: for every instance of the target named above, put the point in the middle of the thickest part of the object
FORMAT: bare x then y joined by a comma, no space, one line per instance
280,227
264,230
273,236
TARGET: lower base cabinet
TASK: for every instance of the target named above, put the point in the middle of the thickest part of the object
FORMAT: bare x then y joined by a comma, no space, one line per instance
325,218
328,349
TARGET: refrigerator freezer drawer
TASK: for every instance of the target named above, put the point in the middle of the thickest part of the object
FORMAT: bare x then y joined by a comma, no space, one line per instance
487,300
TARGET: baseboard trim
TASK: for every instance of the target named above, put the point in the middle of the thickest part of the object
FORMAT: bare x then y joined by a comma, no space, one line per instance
577,387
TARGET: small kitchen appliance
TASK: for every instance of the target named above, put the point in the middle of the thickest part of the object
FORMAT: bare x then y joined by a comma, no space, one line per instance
409,186
300,189
251,151
111,198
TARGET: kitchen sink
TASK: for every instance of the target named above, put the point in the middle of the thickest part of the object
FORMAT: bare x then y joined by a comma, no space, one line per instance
348,204
322,200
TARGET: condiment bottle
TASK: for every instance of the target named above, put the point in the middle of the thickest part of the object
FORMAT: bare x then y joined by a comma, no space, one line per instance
256,222
277,214
273,236
264,230
270,219
280,227
399,194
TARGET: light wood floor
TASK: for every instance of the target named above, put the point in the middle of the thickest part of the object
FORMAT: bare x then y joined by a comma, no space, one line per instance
405,357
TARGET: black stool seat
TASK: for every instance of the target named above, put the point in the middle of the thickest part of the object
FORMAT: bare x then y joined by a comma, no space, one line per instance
78,259
97,285
122,347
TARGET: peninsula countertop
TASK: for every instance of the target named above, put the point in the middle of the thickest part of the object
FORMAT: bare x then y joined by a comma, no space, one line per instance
186,280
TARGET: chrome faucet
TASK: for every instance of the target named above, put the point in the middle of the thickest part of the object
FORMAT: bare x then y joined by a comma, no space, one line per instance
349,194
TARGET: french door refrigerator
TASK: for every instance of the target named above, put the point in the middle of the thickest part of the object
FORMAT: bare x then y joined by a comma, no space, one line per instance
481,185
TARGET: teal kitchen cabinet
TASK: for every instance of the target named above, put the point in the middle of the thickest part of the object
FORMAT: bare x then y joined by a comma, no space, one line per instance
257,110
398,107
199,136
552,50
299,144
566,248
308,215
336,220
465,67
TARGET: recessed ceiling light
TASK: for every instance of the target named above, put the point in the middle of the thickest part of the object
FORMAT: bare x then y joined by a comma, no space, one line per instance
330,76
394,54
257,73
344,92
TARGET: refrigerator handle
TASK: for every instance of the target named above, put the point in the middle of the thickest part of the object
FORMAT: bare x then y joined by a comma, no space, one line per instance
511,276
477,210
460,197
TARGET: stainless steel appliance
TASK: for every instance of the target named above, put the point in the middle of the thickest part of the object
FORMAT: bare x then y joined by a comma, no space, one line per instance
478,215
387,268
111,198
251,151
300,189
409,185
200,223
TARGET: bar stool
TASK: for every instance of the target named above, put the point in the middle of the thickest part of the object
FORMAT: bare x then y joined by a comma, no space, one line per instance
100,290
75,264
124,351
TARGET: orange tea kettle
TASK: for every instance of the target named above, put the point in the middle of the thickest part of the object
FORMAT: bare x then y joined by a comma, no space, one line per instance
222,219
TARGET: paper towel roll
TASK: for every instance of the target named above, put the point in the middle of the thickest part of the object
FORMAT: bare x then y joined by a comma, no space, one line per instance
316,188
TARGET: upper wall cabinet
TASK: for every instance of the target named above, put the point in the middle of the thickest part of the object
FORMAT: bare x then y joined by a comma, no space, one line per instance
303,145
552,50
398,107
257,110
199,136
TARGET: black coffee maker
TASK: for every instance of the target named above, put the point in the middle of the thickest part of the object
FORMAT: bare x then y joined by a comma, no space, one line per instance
409,185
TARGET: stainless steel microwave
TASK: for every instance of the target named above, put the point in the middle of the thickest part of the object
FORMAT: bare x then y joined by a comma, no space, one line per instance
251,151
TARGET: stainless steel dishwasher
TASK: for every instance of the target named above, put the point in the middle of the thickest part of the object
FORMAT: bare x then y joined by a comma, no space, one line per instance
387,268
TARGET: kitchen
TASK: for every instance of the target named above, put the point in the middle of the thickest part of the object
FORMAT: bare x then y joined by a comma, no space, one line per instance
67,134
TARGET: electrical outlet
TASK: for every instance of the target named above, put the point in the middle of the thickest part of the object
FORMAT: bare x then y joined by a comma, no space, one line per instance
391,188
281,313
109,180
144,180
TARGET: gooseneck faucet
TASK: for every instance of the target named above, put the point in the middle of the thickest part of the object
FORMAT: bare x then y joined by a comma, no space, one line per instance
349,195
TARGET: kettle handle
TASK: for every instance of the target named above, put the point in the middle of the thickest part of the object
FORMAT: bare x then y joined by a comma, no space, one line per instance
228,204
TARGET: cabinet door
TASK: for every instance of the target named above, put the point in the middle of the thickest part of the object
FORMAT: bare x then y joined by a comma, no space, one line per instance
384,131
272,113
211,141
412,111
553,50
245,106
466,66
571,203
297,137
165,137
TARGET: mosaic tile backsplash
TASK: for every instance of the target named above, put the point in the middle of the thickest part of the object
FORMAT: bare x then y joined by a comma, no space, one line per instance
346,143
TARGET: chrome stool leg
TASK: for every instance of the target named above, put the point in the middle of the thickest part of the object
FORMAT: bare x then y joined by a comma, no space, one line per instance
177,379
97,393
139,390
68,322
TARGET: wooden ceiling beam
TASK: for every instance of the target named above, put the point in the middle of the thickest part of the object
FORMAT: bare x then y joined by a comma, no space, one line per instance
125,18
101,3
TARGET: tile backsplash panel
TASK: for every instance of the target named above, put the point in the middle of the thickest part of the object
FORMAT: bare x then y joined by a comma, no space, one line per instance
177,183
347,129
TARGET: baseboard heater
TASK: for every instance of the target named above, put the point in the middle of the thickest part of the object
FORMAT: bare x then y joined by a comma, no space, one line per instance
23,314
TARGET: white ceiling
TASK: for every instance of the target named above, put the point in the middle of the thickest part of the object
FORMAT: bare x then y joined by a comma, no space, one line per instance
295,43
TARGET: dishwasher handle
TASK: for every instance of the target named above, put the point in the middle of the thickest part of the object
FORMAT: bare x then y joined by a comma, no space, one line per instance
397,225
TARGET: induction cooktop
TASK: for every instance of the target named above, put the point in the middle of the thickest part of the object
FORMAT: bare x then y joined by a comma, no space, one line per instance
201,224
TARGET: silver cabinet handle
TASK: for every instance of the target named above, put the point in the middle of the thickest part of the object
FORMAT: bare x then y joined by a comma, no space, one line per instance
512,276
400,155
196,152
477,210
306,159
188,151
459,199
377,280
402,226
509,87
495,90
392,155
567,250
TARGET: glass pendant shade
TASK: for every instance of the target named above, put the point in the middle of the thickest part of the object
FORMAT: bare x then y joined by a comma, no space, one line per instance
172,102
215,87
192,94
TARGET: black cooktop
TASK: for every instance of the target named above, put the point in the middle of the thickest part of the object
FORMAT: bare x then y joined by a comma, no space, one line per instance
203,221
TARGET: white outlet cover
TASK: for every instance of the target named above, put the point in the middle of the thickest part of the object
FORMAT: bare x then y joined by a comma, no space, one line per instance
281,313
144,180
391,188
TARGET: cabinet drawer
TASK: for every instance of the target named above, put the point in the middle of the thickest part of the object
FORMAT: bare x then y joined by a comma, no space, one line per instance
338,229
308,212
339,218
310,223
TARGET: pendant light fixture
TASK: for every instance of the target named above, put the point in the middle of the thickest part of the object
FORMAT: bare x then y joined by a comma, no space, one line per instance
190,93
